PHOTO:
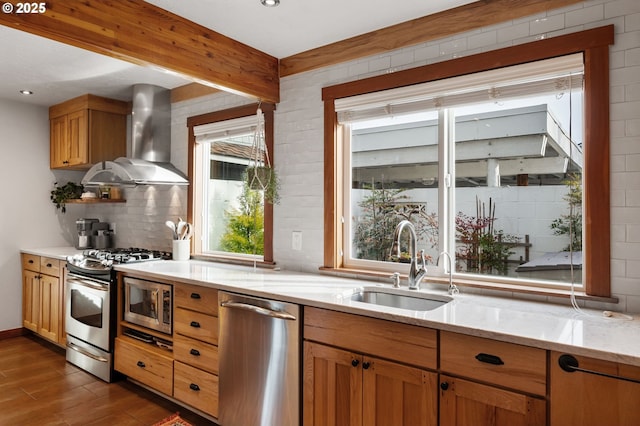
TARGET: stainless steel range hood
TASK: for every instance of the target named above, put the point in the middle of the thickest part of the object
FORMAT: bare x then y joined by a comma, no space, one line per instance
149,163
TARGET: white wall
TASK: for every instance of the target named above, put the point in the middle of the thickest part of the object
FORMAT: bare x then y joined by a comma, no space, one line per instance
299,132
28,219
299,150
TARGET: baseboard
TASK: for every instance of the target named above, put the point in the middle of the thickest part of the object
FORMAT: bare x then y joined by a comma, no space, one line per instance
8,334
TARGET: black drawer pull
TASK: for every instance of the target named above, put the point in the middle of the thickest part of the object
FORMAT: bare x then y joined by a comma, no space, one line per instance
140,364
194,352
31,261
195,296
194,387
570,364
49,265
355,362
195,324
366,365
489,359
444,386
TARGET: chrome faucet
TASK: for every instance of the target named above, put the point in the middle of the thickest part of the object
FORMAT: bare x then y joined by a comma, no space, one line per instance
418,265
453,289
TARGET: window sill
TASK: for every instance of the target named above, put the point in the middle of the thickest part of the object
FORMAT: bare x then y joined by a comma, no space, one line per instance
234,261
502,289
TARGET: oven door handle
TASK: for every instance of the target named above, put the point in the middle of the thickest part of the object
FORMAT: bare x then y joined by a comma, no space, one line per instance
76,279
86,353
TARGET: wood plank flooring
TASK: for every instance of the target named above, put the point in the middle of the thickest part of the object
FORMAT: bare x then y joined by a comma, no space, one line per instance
38,387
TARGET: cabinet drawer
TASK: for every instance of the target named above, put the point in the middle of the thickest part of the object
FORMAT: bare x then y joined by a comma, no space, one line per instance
146,366
196,388
195,324
50,266
505,364
196,353
31,262
406,343
196,298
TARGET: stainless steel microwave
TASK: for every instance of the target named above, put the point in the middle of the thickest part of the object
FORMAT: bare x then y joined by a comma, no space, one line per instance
148,304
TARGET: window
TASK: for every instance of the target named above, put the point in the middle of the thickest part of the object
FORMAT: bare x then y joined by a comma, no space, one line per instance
515,163
231,221
483,162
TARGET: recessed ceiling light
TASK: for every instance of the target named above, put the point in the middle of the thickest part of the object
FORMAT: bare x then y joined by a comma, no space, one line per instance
26,92
270,3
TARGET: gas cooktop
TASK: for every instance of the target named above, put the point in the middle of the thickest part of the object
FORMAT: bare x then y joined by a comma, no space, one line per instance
96,260
126,255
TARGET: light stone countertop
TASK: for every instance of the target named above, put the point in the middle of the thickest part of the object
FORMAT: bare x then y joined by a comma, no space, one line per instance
536,324
60,253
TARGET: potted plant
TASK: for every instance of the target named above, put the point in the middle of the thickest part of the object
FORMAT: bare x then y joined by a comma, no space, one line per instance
260,175
68,191
264,178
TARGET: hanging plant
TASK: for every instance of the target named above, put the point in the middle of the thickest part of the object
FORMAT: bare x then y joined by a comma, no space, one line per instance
68,191
264,178
260,175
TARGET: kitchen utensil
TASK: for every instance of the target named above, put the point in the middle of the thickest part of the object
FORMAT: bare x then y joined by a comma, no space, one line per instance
185,233
171,225
180,227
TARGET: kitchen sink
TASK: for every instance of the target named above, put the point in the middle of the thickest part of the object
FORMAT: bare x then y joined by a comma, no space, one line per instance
400,298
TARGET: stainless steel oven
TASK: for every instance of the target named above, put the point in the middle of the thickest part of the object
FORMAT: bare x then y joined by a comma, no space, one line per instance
88,316
148,304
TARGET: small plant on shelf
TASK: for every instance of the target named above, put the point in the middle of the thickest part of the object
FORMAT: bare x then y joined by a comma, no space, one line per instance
68,191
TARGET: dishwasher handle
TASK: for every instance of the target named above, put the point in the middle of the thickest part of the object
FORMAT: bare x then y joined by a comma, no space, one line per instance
258,310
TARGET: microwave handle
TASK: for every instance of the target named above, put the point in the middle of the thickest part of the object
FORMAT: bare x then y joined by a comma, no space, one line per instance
154,297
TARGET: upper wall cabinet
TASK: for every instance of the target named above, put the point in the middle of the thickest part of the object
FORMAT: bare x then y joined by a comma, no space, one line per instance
86,130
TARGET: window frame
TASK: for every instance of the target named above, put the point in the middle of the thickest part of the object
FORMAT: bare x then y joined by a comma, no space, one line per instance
593,44
223,115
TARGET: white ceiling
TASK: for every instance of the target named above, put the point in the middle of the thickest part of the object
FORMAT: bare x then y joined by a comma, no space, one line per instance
56,72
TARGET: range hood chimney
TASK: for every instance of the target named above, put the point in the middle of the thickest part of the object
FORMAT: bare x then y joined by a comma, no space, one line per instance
149,163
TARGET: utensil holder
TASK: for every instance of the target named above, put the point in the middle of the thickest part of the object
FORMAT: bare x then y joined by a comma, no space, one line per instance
181,249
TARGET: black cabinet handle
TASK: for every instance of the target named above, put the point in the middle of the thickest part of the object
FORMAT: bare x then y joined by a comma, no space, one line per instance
489,359
195,324
444,386
355,362
570,364
194,352
195,296
366,365
49,265
31,261
194,387
140,364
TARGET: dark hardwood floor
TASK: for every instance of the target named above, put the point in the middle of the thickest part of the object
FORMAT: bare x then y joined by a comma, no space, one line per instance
38,387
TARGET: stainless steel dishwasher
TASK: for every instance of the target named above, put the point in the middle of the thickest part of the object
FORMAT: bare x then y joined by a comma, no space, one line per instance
259,355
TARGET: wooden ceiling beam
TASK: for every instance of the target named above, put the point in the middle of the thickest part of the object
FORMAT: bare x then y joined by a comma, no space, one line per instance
468,17
144,34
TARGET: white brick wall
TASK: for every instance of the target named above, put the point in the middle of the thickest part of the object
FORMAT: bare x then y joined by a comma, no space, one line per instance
299,139
299,134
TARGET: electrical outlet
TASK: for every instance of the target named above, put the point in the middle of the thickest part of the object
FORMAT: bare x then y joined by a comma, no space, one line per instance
296,240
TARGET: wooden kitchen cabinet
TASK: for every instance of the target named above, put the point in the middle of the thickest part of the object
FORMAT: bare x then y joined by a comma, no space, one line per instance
43,297
354,385
464,402
86,130
144,363
195,337
586,399
492,383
